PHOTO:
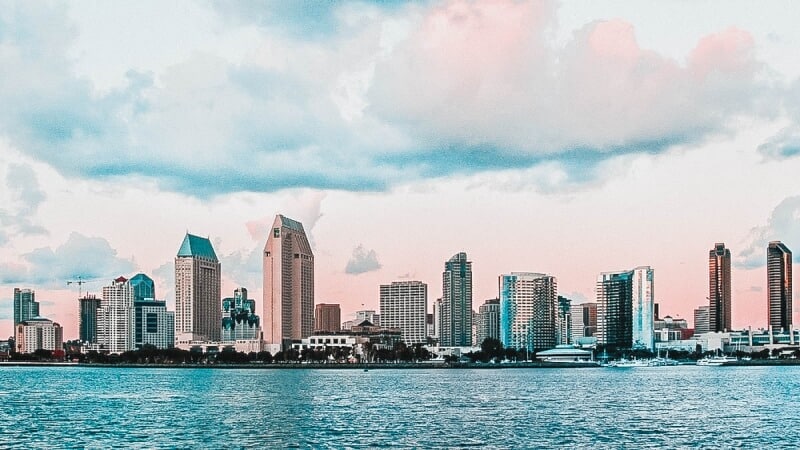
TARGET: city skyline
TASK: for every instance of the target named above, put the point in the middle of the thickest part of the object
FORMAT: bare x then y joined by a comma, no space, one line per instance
219,116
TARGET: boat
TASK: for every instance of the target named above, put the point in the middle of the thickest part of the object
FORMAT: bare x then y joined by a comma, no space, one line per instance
628,363
716,360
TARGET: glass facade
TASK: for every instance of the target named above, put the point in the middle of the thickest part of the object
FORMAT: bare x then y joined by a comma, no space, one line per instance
528,311
456,312
719,288
779,286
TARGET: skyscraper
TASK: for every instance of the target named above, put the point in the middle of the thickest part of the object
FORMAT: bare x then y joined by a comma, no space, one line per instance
143,287
488,320
197,291
719,288
456,302
240,320
288,282
614,309
87,322
528,310
643,309
779,286
115,317
584,320
25,305
564,321
625,309
153,324
701,322
404,305
327,317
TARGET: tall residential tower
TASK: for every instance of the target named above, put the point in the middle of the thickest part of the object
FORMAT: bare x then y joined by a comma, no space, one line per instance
779,286
719,288
197,291
404,305
528,310
625,309
25,305
288,283
456,313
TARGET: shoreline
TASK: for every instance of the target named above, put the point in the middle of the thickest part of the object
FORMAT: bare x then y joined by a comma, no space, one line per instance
370,366
334,366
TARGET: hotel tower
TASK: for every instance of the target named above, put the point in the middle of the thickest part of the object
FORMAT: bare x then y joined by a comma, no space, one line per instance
197,291
719,288
288,283
779,286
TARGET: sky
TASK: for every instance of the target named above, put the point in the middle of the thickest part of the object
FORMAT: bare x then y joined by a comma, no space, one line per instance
562,138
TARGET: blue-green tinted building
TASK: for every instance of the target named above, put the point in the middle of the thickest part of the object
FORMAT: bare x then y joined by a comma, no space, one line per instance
25,305
528,311
143,287
625,309
239,318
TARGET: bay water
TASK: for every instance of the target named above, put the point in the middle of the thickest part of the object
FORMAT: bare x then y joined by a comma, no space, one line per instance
660,407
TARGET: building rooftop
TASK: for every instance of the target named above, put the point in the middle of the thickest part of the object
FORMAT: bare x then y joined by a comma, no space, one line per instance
291,224
196,246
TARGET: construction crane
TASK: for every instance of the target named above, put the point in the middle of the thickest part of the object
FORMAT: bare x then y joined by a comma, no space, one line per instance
80,282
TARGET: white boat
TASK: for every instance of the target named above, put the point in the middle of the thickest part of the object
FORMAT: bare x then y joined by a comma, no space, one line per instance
716,360
628,363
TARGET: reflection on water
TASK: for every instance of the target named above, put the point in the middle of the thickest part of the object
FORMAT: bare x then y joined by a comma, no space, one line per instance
651,407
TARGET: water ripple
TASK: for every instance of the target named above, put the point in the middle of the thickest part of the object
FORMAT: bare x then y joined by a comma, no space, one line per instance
672,407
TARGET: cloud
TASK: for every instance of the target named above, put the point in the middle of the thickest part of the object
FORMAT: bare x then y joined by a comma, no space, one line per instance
786,142
87,257
362,261
484,76
782,225
26,196
389,95
576,297
301,19
244,267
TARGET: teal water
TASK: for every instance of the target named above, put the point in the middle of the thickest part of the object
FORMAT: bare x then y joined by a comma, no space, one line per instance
669,407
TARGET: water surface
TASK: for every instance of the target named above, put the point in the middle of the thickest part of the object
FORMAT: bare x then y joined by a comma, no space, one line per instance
687,406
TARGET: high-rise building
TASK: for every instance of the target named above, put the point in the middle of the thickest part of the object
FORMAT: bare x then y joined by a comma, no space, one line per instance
239,318
701,320
38,333
584,320
779,286
528,310
437,320
197,291
115,317
87,320
327,317
643,305
488,321
25,305
152,324
456,302
143,287
288,283
719,288
404,305
564,321
625,309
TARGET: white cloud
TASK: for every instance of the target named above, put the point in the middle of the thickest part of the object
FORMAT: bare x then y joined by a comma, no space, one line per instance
782,225
362,261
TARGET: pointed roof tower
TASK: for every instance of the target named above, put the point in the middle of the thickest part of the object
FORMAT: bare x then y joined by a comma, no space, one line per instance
196,246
